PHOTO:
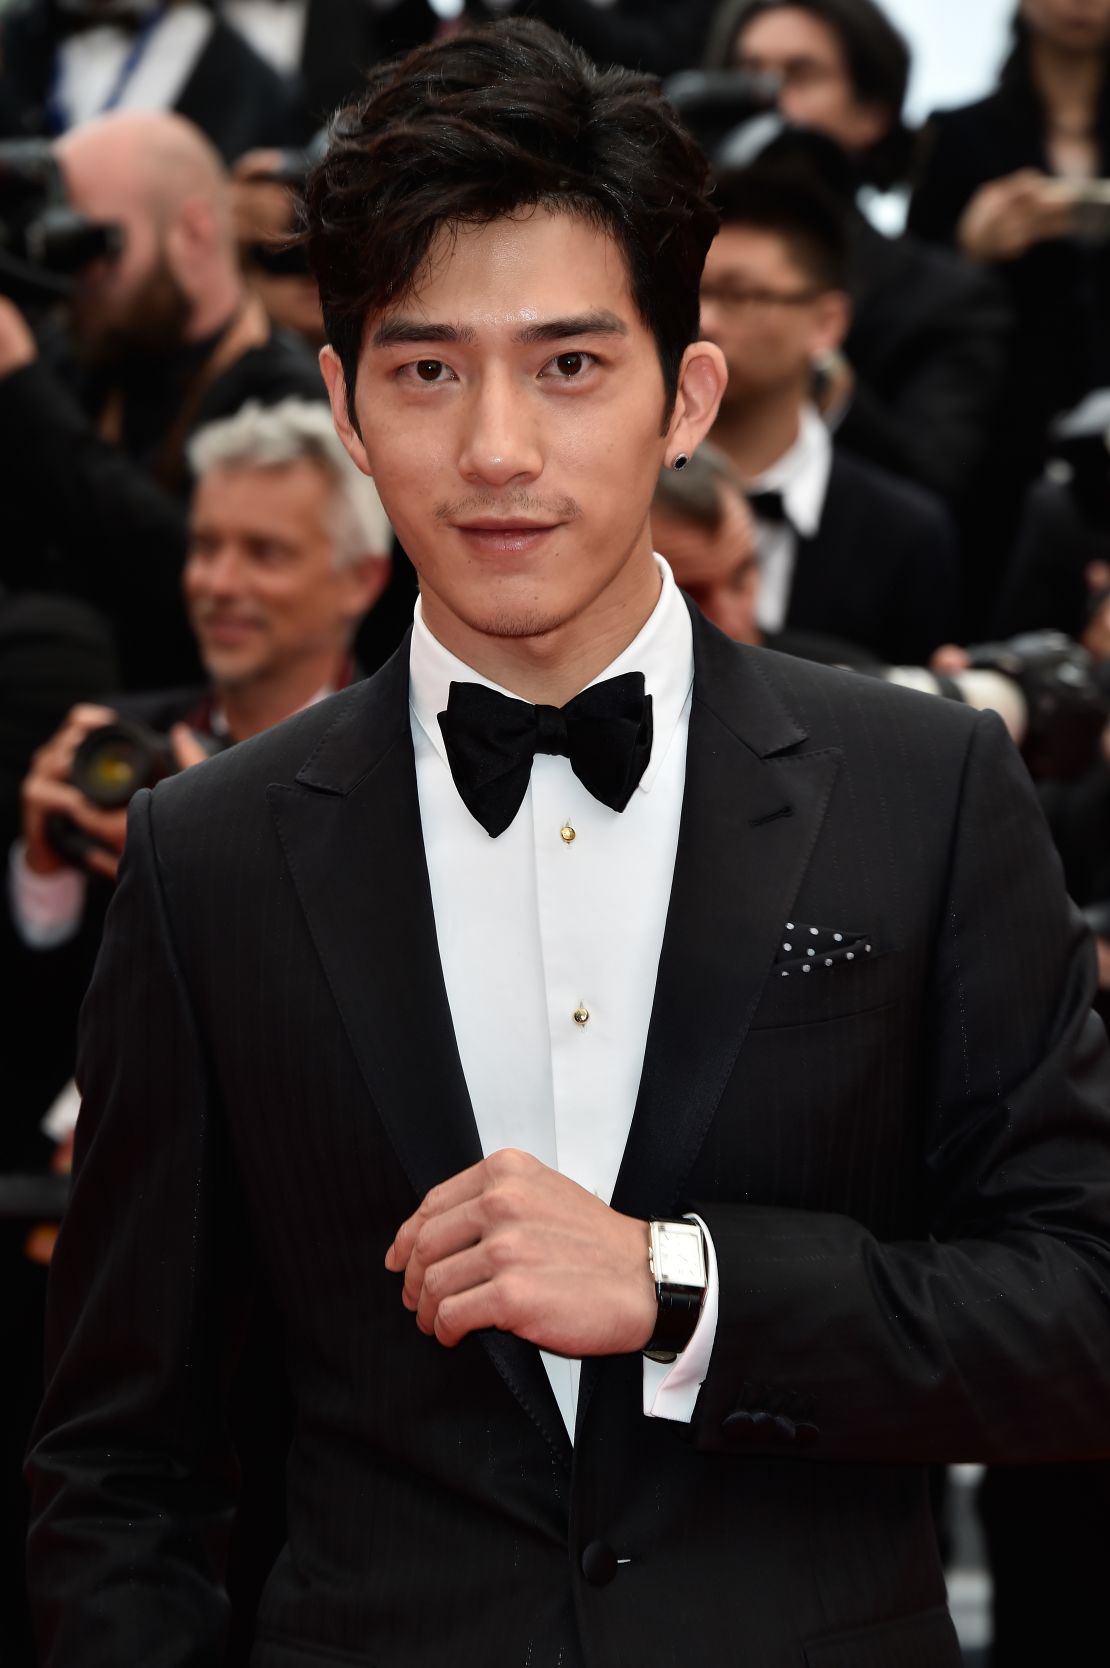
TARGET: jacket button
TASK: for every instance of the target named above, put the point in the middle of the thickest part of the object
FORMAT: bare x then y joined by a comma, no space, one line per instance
599,1563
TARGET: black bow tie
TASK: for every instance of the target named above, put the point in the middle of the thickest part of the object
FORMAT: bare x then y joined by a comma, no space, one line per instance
769,506
491,740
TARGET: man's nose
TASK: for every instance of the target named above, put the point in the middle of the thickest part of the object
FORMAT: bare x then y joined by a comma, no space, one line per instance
501,441
219,571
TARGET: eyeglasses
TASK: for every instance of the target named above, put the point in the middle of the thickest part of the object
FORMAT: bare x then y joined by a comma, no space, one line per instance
735,299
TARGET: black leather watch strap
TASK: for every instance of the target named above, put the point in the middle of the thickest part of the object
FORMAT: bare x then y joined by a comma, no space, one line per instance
676,1318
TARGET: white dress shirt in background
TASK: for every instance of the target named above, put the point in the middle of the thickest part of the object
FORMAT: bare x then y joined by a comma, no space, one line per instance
108,68
801,476
536,924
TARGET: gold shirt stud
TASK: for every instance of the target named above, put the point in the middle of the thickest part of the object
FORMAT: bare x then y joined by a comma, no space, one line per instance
567,834
581,1014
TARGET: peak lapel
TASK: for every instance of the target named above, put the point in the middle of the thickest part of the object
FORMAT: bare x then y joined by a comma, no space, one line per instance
350,830
752,810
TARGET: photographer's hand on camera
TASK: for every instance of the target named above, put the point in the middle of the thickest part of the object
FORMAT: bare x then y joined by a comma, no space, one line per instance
47,790
1008,216
17,344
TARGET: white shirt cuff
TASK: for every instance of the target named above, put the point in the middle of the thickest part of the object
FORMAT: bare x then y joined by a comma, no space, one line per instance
671,1388
46,909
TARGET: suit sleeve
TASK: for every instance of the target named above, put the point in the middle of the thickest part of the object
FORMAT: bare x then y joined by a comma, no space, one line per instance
131,1474
987,1338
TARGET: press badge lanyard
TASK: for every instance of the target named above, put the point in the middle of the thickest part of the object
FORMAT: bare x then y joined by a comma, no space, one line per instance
55,114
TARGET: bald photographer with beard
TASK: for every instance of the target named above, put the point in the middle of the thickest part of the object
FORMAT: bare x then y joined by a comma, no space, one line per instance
167,338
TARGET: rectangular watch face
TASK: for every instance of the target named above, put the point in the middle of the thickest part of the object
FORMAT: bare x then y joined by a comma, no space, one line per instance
678,1254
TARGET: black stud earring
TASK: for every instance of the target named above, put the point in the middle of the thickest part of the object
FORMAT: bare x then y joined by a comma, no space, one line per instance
680,461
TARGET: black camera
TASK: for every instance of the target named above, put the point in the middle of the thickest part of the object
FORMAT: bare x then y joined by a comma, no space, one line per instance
1066,708
44,243
110,766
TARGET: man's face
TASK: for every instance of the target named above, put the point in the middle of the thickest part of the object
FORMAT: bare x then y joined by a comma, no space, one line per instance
132,303
765,314
806,55
261,586
1079,26
718,569
511,412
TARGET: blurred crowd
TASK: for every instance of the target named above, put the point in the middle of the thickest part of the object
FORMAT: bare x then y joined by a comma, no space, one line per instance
909,477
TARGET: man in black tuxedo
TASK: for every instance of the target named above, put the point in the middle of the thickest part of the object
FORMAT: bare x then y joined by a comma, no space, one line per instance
445,1006
846,549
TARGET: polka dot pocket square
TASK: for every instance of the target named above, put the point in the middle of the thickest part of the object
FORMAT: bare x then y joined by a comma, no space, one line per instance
804,949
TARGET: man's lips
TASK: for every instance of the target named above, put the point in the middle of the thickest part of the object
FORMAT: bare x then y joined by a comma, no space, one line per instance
227,630
505,537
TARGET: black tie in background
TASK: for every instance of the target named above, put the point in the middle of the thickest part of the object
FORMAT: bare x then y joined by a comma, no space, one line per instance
768,506
491,740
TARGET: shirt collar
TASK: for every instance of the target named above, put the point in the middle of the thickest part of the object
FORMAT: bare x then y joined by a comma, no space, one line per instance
801,475
663,650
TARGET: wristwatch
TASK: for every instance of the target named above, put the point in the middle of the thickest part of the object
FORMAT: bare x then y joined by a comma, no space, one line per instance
676,1258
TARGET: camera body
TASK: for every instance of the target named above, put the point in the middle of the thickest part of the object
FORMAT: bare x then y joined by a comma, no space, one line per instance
109,767
1066,708
44,242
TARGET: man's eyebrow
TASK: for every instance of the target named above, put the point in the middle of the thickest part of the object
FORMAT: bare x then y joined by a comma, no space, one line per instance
409,332
583,324
402,332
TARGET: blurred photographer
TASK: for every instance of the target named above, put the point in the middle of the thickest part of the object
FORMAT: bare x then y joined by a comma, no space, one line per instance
846,548
288,549
914,385
167,336
1016,181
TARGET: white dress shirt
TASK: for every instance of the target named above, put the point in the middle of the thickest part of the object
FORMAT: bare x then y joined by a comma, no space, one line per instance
536,924
275,29
801,475
108,68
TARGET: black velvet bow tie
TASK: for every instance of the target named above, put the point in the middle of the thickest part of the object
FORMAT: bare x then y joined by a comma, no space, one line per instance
491,740
768,506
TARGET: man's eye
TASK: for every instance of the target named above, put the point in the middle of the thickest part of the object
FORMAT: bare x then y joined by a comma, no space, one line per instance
565,367
426,370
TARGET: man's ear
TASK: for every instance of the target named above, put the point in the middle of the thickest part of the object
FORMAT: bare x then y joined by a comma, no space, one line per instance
702,379
367,577
336,383
832,319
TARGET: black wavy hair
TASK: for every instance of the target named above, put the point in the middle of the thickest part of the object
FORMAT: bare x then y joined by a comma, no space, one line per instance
876,54
483,124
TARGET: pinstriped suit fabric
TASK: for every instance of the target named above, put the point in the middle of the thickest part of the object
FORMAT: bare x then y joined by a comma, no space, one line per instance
903,1162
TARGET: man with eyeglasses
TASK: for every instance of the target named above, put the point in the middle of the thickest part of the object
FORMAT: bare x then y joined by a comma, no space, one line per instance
845,548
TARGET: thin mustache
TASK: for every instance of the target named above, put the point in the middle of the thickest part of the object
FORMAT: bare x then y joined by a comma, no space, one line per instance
470,509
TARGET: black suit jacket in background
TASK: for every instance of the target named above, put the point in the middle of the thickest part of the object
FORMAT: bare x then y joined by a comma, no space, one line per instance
904,1163
881,570
928,342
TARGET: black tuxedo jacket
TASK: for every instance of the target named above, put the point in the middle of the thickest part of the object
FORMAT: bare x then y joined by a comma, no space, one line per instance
904,1162
881,570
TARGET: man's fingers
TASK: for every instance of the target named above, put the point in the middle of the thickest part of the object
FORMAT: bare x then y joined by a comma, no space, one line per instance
496,1304
454,1274
468,1184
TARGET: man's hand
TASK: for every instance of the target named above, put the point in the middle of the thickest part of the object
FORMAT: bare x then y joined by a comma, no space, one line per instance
17,344
1008,216
47,789
514,1245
